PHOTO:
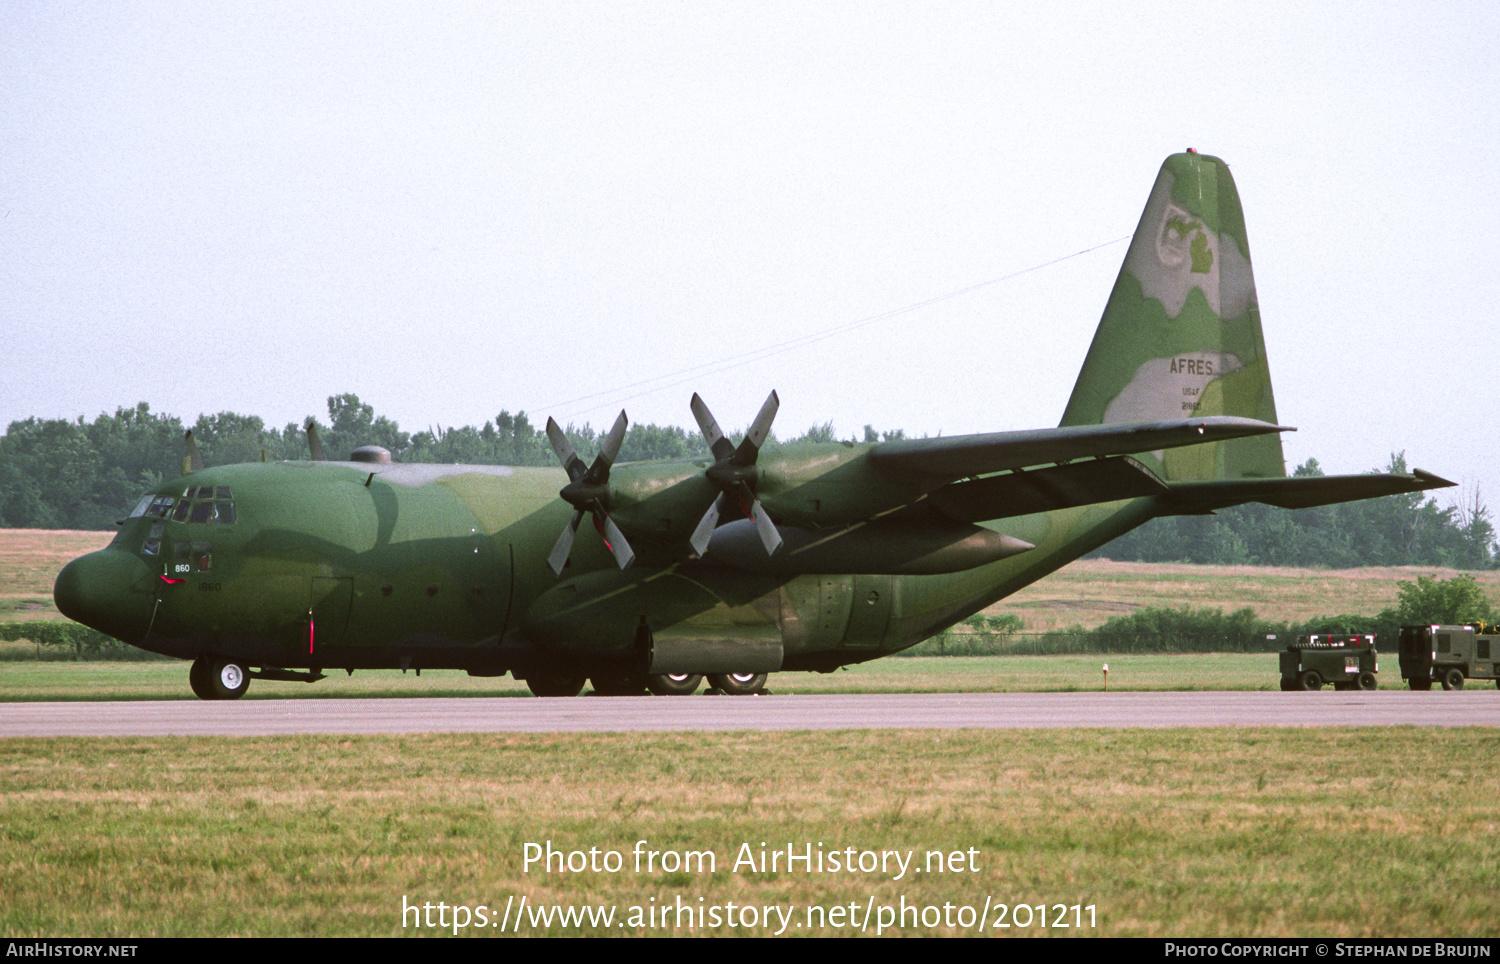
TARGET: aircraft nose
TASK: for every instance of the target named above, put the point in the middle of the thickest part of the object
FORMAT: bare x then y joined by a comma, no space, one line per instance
110,591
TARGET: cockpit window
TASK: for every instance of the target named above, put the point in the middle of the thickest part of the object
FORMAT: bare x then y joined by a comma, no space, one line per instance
199,505
159,507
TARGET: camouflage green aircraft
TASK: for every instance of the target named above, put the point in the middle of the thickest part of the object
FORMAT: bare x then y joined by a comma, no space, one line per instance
817,557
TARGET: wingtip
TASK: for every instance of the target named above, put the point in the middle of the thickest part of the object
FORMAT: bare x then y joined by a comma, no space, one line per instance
1438,482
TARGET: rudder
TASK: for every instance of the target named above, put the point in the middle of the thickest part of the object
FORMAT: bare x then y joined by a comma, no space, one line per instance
1181,334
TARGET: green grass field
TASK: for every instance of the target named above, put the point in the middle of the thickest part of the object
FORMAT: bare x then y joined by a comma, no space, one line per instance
64,681
1162,833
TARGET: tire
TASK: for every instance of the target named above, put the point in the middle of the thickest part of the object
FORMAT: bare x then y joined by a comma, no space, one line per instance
674,684
1311,681
1419,684
738,684
1453,679
629,684
1367,681
1288,685
554,684
200,678
228,679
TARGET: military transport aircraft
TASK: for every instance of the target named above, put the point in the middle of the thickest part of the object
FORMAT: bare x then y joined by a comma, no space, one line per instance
819,556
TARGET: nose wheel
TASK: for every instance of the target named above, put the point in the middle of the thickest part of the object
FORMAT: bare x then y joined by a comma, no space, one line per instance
218,679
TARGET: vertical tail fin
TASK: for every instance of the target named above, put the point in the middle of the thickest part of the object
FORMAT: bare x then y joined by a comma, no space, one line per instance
1181,334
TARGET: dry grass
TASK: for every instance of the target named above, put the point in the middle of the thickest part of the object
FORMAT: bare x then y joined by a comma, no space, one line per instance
30,560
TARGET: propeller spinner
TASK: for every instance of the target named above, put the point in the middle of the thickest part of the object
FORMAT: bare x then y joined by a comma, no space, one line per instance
735,475
588,491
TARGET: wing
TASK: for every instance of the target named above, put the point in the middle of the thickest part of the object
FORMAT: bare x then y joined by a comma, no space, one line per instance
964,456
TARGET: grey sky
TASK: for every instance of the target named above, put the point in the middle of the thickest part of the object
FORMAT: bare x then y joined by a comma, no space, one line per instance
452,209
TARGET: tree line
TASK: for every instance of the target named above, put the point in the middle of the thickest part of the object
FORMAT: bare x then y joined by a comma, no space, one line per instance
61,474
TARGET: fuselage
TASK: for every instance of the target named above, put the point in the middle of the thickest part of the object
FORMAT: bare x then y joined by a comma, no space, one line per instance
324,565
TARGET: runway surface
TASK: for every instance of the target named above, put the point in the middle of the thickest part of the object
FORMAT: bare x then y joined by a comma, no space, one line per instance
665,714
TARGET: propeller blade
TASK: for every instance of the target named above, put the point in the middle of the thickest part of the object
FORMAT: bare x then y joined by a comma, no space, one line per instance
608,449
564,547
749,449
615,540
706,526
564,449
720,446
769,536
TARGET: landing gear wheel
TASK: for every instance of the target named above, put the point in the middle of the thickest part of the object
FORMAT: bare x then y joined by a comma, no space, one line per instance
200,678
554,684
1367,681
1419,684
629,684
738,684
674,684
1453,679
228,680
1311,681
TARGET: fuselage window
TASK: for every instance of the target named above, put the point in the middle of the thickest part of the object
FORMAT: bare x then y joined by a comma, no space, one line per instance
202,557
160,507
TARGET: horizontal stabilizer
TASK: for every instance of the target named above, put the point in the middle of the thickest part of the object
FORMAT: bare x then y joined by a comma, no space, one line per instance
1042,490
1191,498
961,456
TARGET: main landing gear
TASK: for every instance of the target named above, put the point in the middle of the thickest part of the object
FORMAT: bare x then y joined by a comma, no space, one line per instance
660,684
218,679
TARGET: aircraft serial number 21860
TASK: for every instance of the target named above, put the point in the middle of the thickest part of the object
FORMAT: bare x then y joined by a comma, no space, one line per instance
819,556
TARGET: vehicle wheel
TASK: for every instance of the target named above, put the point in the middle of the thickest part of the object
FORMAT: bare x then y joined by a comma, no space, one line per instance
200,678
1367,681
1419,684
674,684
1288,685
1453,679
1311,681
738,684
1497,682
554,684
228,680
630,684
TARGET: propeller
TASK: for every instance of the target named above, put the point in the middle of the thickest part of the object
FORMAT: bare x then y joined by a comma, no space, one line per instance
588,491
735,475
